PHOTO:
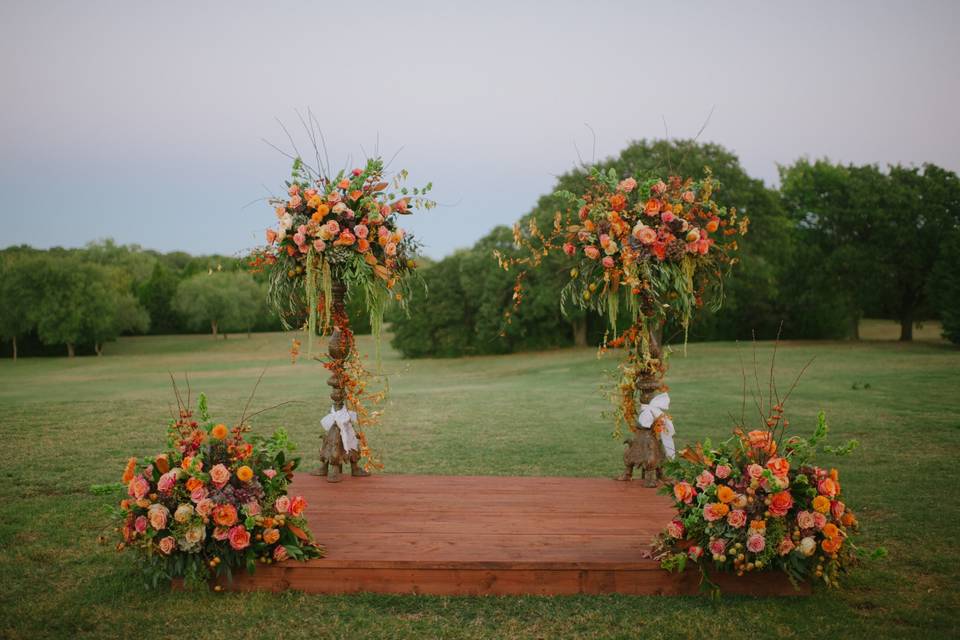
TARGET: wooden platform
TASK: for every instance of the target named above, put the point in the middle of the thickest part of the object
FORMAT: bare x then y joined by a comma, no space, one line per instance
461,535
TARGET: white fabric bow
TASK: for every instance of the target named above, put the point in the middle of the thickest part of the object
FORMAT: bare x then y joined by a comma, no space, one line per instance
344,419
649,414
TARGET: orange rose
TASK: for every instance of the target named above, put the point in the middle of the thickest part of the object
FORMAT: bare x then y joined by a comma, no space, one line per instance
780,503
848,519
684,492
828,487
129,470
225,515
245,474
617,202
725,494
162,463
830,530
759,525
652,207
219,431
193,484
779,466
355,195
821,504
832,545
759,439
185,463
363,245
344,184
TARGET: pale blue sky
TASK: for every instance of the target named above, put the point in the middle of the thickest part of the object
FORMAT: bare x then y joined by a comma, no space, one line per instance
143,121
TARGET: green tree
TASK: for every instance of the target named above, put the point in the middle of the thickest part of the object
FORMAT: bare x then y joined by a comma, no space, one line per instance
221,300
874,237
18,295
945,287
156,295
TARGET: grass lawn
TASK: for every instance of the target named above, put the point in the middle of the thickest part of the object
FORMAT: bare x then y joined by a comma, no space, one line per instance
67,425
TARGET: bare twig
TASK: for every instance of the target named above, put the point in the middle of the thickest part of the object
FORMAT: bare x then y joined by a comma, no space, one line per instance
243,416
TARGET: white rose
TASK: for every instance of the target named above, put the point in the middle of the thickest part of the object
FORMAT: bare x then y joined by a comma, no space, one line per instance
183,513
807,546
286,221
196,535
339,207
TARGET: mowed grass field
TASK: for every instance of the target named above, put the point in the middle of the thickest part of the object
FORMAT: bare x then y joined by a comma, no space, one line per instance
67,425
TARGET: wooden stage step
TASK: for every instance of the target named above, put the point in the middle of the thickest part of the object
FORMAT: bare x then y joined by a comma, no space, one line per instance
469,535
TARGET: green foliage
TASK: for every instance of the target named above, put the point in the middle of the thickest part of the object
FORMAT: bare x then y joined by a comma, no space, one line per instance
945,287
222,301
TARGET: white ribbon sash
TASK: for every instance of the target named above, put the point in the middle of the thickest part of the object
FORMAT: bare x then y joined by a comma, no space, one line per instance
345,420
649,414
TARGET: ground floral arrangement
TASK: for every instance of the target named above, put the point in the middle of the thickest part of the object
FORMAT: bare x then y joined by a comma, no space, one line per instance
759,502
213,503
659,249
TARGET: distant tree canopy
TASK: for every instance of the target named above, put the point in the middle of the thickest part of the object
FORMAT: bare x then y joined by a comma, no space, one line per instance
834,242
221,301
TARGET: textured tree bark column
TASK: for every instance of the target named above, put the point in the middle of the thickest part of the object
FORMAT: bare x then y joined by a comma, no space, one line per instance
332,452
644,450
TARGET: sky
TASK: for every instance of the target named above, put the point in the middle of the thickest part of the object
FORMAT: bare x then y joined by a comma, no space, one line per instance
145,122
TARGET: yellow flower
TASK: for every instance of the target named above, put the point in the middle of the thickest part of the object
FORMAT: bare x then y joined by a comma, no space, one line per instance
245,473
821,504
219,431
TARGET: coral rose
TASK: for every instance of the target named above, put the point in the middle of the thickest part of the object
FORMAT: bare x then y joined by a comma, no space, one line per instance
225,515
205,507
280,553
779,466
591,252
715,511
219,431
828,487
684,492
271,535
129,470
830,530
737,518
607,262
759,439
297,505
167,545
781,503
193,484
245,474
704,480
832,545
725,494
239,538
140,524
219,475
675,529
569,249
652,207
617,202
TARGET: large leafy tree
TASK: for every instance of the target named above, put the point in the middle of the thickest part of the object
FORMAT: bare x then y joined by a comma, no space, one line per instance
18,297
222,301
868,238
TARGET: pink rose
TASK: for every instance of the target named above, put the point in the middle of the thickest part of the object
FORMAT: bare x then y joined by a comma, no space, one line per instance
158,514
569,249
219,475
270,473
756,543
390,249
332,227
319,245
607,262
604,240
297,505
704,480
805,520
252,508
737,518
627,185
658,188
695,552
205,507
592,252
837,509
703,247
221,533
644,235
688,196
309,192
334,197
167,482
167,545
667,216
198,495
385,210
819,520
280,553
282,504
299,238
361,231
755,471
295,201
675,529
718,546
239,537
786,546
138,487
140,524
723,471
293,190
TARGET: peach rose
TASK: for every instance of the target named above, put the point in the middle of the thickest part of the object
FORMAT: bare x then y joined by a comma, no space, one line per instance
591,252
158,514
225,515
759,438
282,504
704,480
781,503
755,471
361,231
805,520
684,492
688,196
652,207
819,520
219,475
737,518
786,546
828,487
167,545
659,187
138,487
293,190
836,510
295,201
205,507
271,535
239,538
271,236
221,533
297,505
627,185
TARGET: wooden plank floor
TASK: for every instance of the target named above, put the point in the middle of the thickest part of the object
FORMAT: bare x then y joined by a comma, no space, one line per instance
468,535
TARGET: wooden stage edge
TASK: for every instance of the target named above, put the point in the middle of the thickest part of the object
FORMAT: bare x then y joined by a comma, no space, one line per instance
482,535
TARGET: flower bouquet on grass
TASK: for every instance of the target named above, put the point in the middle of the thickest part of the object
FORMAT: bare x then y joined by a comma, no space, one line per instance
214,502
759,502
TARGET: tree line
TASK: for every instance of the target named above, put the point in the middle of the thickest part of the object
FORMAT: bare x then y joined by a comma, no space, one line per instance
833,244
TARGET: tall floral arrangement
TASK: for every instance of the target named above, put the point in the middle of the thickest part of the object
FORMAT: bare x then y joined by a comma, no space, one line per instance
342,227
658,249
213,502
